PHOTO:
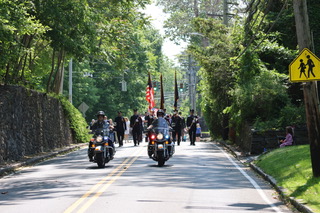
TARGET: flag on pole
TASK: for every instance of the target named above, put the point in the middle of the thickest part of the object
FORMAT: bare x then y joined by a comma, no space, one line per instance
150,93
176,93
162,95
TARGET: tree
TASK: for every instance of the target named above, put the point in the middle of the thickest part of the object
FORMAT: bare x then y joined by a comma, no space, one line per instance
18,32
215,73
178,26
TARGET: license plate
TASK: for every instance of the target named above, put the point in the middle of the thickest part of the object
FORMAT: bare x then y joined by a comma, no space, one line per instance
160,146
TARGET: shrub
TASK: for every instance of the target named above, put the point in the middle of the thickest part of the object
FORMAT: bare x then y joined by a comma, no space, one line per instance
77,122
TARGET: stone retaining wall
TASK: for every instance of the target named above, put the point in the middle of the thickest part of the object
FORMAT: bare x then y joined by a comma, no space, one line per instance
256,142
30,123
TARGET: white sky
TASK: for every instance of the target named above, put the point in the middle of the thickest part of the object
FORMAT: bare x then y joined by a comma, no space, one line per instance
158,17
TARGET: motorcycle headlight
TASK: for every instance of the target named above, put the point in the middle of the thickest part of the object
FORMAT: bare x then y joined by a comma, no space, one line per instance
167,137
105,138
153,137
160,136
99,139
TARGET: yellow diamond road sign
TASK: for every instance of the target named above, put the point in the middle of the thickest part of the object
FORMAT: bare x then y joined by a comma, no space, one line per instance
306,67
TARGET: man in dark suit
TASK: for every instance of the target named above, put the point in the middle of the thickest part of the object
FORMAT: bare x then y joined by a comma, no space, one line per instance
176,123
120,128
136,124
192,121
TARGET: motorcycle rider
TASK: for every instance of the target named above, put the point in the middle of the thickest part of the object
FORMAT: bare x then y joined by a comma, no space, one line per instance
160,114
101,123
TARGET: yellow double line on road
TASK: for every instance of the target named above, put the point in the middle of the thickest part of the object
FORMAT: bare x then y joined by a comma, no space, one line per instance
102,185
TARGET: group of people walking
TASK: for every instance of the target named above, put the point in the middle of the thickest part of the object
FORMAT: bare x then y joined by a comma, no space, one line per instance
122,127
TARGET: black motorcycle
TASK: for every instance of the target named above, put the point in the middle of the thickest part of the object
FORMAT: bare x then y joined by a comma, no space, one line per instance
101,147
160,147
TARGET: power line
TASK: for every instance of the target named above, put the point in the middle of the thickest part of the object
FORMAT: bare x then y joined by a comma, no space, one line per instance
253,37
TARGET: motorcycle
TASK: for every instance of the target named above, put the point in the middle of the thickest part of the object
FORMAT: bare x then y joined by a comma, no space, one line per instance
101,147
160,147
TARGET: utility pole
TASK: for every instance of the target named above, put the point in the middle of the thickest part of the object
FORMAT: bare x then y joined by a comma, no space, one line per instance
225,12
189,80
70,80
192,83
310,88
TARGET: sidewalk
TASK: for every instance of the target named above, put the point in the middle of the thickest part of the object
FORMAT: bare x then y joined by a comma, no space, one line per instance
249,160
9,168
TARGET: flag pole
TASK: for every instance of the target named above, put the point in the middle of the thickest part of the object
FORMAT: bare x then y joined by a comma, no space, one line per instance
150,93
176,93
162,95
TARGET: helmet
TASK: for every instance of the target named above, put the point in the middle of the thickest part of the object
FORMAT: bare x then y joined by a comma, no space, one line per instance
160,112
100,113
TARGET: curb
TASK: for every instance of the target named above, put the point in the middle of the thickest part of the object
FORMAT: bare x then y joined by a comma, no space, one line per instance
282,192
8,169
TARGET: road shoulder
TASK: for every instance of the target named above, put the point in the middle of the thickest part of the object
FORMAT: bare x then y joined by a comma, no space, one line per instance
249,160
12,167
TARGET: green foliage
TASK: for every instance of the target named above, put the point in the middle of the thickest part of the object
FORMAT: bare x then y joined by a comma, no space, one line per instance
216,72
275,56
313,12
263,94
179,25
291,167
289,115
37,36
76,121
243,85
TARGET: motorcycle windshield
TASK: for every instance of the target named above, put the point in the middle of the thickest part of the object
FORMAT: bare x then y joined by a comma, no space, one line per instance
102,131
160,125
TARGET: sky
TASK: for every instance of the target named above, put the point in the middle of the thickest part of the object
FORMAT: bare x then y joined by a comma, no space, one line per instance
158,17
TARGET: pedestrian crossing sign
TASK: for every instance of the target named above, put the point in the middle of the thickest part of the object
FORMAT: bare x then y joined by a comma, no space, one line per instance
305,67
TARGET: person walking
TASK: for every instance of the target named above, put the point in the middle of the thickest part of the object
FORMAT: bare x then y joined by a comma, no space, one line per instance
192,128
135,124
120,128
183,126
176,123
148,119
127,131
198,132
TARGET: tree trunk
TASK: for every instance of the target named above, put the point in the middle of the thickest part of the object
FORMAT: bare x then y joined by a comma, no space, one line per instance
196,8
52,70
59,74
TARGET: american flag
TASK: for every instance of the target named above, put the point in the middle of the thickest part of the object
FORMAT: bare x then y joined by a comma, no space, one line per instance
150,93
176,93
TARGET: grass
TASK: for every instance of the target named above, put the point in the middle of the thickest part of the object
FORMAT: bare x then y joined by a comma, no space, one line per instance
291,167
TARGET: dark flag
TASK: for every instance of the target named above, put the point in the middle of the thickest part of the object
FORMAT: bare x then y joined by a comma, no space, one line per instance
162,95
150,93
176,93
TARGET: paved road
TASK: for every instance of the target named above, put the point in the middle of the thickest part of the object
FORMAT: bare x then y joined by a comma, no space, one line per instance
197,179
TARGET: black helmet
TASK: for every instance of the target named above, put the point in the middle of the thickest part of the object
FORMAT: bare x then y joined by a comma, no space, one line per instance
100,113
160,111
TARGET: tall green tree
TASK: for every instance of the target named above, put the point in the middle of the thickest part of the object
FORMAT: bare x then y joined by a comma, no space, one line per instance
19,30
178,26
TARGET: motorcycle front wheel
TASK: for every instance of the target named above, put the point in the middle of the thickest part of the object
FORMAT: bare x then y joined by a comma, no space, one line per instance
161,159
100,160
